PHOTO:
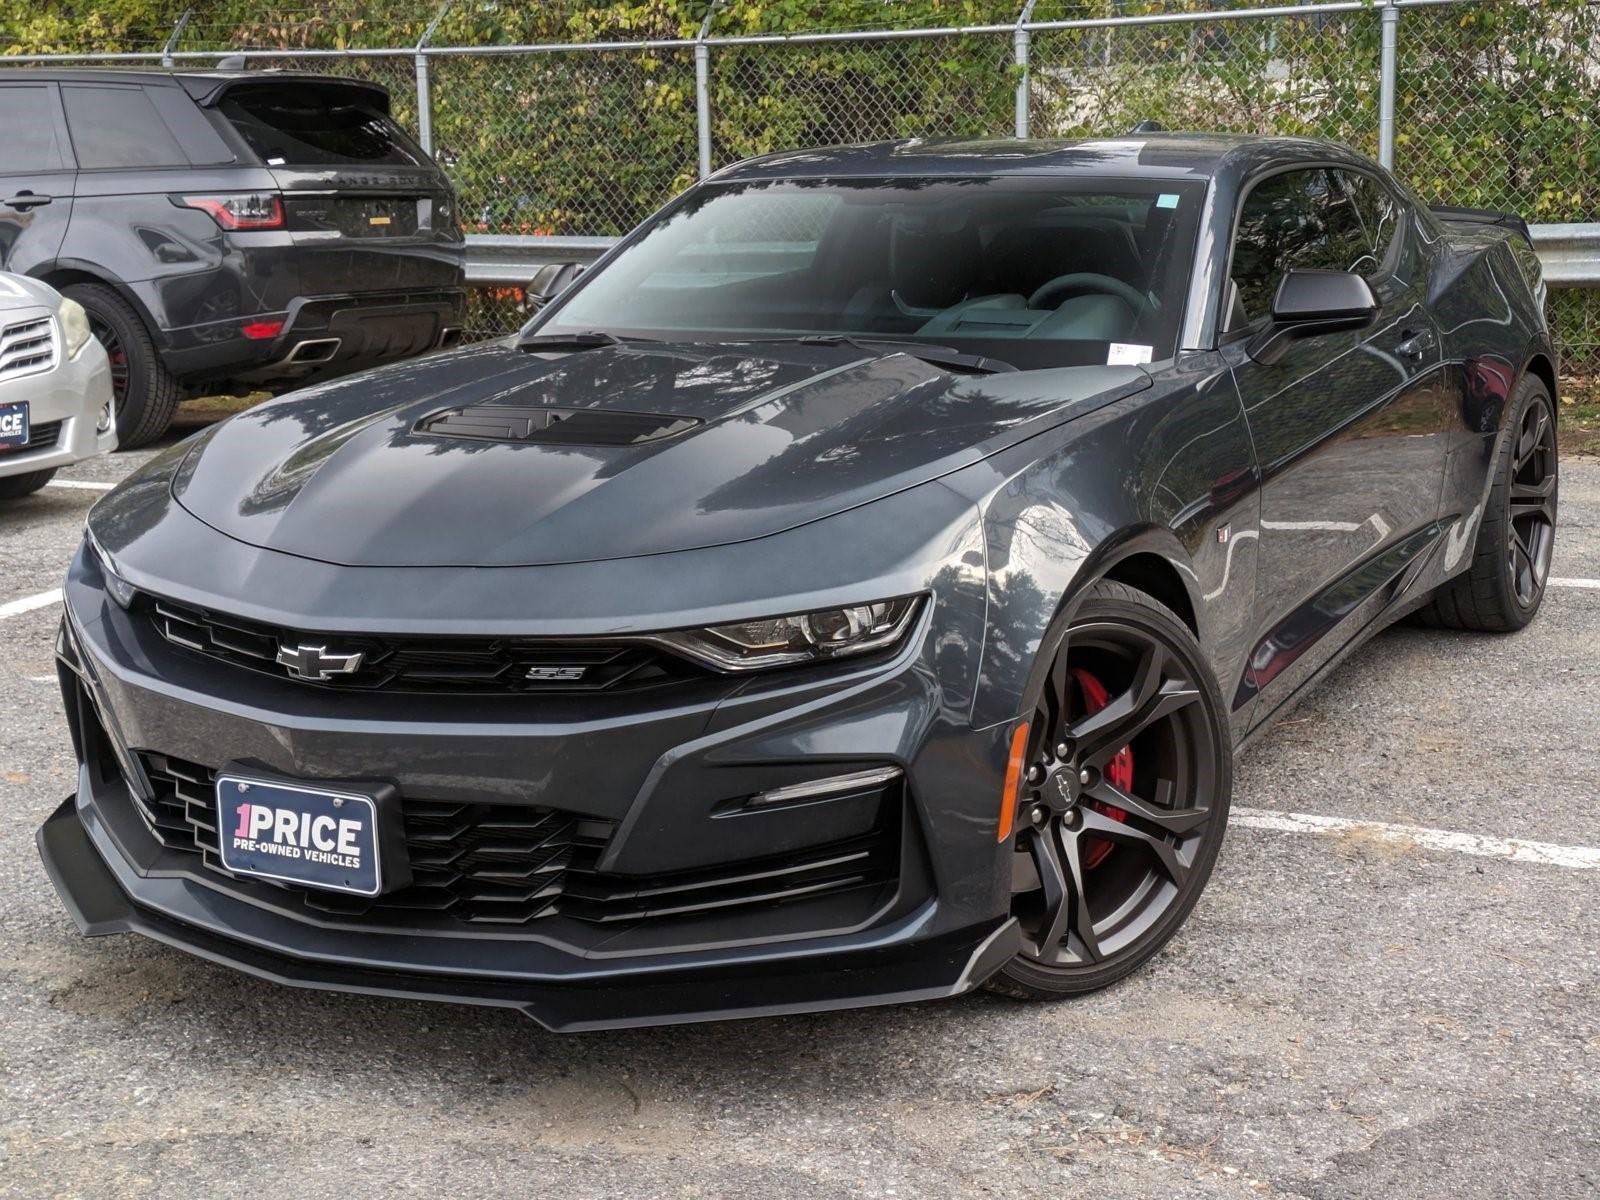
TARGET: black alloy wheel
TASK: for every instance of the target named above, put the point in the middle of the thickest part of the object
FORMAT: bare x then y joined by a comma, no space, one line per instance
1532,503
144,394
1503,586
116,355
1124,797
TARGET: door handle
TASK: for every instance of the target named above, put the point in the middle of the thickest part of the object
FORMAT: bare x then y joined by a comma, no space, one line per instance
1415,345
23,201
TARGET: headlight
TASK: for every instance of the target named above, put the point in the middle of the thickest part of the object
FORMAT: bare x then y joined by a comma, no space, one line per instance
118,588
74,325
803,637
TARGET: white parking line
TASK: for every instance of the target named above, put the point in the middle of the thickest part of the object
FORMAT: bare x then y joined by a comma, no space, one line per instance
85,484
1510,849
1577,583
15,608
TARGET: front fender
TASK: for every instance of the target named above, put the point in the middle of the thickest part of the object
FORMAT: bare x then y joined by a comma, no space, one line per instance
1169,473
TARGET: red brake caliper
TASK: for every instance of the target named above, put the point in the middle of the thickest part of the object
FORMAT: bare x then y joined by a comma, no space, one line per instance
1119,770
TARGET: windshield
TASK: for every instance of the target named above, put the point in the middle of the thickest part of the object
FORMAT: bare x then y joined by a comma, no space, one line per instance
1035,271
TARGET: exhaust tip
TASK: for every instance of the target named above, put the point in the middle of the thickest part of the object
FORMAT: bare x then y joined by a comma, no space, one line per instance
313,350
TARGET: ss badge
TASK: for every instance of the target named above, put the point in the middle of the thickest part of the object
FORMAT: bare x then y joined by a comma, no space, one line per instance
555,674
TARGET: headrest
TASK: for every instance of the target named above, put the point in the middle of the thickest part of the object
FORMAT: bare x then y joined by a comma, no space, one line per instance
931,266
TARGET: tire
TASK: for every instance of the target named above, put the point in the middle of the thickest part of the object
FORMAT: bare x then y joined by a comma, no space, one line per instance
1504,586
144,392
14,487
1162,751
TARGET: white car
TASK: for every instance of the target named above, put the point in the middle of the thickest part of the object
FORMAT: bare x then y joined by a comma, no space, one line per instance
55,386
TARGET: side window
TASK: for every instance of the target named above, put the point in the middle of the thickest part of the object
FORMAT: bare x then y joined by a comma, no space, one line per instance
118,127
27,114
1297,219
1380,215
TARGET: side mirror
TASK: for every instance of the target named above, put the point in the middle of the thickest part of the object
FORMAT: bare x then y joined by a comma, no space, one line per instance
550,281
1312,302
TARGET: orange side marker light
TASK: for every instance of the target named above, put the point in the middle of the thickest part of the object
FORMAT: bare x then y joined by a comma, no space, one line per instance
1008,797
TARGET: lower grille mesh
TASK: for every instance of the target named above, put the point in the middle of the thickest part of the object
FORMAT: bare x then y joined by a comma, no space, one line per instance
510,865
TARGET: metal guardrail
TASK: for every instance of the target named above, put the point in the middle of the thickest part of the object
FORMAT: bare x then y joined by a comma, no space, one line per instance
509,260
1570,254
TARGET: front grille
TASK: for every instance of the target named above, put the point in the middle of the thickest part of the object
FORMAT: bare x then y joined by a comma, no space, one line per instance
510,865
482,665
27,347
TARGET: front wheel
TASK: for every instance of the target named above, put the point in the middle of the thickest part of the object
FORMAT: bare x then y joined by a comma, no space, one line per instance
1123,801
14,487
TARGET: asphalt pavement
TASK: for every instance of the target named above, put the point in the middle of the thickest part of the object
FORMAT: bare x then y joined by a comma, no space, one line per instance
1384,993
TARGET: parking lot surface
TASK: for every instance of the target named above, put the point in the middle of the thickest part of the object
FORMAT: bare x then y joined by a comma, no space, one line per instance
1354,1009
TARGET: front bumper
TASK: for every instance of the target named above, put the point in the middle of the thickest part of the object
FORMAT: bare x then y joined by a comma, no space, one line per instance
893,966
661,770
66,401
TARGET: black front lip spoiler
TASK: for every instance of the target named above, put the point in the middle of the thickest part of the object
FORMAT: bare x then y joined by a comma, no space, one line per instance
928,969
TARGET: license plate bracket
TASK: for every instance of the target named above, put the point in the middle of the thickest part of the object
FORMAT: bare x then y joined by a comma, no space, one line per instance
336,836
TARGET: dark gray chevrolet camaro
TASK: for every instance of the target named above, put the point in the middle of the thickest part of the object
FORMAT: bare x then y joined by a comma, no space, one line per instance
852,590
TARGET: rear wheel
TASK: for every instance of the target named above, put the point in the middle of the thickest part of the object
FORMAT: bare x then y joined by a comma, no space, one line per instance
14,487
144,392
1124,798
1504,586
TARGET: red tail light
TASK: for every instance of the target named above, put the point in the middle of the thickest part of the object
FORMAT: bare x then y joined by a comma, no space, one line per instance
261,330
240,210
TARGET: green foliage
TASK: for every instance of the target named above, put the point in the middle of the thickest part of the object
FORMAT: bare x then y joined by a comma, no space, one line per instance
1496,105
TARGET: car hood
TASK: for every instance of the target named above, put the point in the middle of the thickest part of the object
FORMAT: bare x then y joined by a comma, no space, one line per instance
493,456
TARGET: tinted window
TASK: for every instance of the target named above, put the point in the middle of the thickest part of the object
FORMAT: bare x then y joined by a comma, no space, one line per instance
28,117
311,125
118,127
1380,215
1298,219
1034,271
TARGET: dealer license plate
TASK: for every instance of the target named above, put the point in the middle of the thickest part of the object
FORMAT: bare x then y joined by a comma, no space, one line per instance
318,837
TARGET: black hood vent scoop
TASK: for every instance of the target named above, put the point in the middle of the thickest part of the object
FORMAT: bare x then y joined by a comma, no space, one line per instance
541,425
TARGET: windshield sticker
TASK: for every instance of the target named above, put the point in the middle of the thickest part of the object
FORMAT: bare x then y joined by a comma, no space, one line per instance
1123,353
1167,200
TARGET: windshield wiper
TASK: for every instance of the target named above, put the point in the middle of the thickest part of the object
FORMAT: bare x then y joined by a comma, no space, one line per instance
587,339
939,356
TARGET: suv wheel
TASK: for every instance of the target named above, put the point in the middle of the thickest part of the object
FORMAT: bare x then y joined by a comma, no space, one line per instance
145,393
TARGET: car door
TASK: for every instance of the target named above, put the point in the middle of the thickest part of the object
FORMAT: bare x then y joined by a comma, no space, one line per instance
1349,427
36,176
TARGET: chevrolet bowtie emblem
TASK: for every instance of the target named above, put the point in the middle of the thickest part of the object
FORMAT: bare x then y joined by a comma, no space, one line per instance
316,663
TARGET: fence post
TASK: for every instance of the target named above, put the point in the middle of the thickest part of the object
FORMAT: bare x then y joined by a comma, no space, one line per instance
424,86
1386,84
172,39
702,92
1021,40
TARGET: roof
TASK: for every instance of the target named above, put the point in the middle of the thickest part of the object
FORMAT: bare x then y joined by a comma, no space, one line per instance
1157,155
199,84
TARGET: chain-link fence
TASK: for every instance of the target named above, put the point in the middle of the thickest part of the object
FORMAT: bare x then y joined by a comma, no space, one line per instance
580,118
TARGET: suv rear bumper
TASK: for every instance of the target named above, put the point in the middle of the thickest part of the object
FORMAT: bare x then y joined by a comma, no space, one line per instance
322,336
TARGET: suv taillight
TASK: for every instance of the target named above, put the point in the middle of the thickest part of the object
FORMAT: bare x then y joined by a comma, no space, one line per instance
239,210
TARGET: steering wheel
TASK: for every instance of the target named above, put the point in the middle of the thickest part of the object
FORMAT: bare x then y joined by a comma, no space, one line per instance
1090,282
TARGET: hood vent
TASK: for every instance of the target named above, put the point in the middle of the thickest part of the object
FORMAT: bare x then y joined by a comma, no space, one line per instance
553,426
